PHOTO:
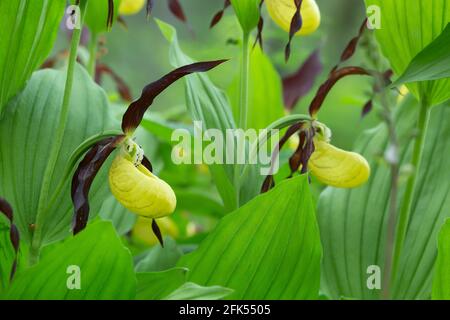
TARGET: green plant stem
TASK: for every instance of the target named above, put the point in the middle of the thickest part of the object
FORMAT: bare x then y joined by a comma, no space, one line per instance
92,54
36,242
243,105
411,186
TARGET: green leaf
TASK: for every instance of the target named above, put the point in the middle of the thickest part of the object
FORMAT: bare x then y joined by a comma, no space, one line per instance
26,133
207,104
441,278
97,15
28,30
247,12
157,285
265,92
158,258
353,222
192,291
267,249
408,27
432,63
6,257
106,269
120,217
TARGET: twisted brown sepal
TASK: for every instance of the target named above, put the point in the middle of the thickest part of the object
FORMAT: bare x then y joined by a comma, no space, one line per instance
259,37
157,232
109,21
304,151
14,235
135,112
177,10
84,176
384,80
296,25
367,108
146,163
122,88
297,85
268,184
218,16
149,7
326,87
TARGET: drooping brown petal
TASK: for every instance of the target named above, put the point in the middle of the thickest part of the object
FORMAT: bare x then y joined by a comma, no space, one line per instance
177,10
218,16
307,149
268,184
135,112
84,176
296,25
109,21
122,87
157,232
259,38
333,78
367,108
146,163
297,85
14,235
150,4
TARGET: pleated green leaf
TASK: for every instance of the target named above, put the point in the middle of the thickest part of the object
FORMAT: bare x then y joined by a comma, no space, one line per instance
26,134
27,31
192,291
157,285
441,279
122,219
105,269
353,222
407,27
267,249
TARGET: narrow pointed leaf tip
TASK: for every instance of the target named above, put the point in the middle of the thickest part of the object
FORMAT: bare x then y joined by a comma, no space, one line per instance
84,176
135,112
14,235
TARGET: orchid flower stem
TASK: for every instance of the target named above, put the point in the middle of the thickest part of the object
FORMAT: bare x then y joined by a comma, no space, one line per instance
36,242
406,206
243,104
92,54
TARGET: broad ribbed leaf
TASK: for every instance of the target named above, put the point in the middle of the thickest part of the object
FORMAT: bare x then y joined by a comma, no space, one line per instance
122,219
26,134
27,31
267,249
105,265
441,278
160,258
353,222
157,285
192,291
208,104
407,27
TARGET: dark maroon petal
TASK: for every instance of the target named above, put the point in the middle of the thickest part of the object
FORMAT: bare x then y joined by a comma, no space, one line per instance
84,176
177,10
122,87
296,25
110,19
157,232
297,85
150,4
333,78
350,49
259,38
133,116
146,163
367,108
218,16
14,234
268,184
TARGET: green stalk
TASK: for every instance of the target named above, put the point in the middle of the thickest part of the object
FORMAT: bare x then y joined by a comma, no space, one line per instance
411,186
243,105
57,143
92,54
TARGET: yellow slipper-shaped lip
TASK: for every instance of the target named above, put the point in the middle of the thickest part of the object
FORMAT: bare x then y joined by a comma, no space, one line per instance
139,190
130,7
337,167
282,12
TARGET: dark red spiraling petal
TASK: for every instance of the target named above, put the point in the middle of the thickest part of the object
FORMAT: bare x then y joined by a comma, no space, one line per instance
84,176
122,87
297,85
150,4
326,87
218,16
14,234
259,37
109,21
157,232
135,112
296,25
177,10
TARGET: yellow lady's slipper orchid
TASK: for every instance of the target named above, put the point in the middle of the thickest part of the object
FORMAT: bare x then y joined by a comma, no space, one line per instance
130,7
336,167
282,12
136,188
